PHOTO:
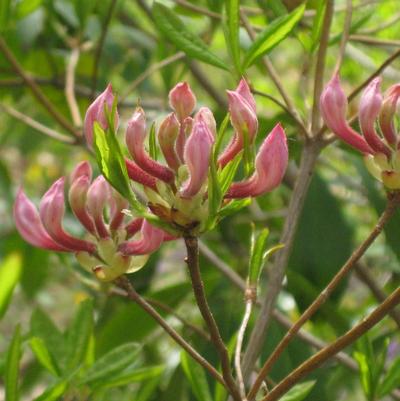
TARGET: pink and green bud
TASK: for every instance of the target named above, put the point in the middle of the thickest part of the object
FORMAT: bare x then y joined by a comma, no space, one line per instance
333,104
98,196
206,115
29,225
184,132
81,169
370,106
270,166
134,138
151,239
182,100
117,206
388,111
167,135
243,90
51,212
197,158
96,112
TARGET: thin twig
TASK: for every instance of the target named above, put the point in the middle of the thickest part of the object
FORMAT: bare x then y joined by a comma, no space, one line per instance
368,40
345,35
37,125
201,300
328,352
392,204
199,10
100,46
274,76
277,271
273,99
238,349
320,66
70,87
151,70
37,92
123,282
363,274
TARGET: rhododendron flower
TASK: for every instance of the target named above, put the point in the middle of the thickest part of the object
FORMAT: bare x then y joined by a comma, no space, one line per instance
178,189
111,247
381,152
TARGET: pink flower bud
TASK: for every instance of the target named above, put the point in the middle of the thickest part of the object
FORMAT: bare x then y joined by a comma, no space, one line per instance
51,211
95,112
136,174
81,169
387,114
77,200
242,108
29,225
167,134
370,105
184,132
135,137
182,100
133,227
244,90
118,204
97,197
206,115
271,162
197,157
151,239
333,103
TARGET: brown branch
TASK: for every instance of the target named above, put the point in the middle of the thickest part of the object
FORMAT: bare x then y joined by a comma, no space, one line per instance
37,125
199,293
328,352
100,46
123,283
277,272
70,87
392,204
35,89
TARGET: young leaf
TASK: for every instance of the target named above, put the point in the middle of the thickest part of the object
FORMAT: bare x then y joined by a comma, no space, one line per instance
232,20
317,25
365,372
10,271
111,363
54,392
196,377
278,30
12,367
78,335
175,30
43,355
220,136
298,392
132,376
112,164
152,142
233,207
258,244
226,176
391,379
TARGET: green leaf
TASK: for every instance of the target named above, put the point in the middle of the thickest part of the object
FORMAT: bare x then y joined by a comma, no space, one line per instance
10,271
5,14
278,30
43,355
132,376
298,392
12,367
196,377
226,176
391,379
27,7
233,207
78,335
317,25
112,363
232,17
175,30
365,373
220,136
112,164
257,250
153,149
54,392
214,194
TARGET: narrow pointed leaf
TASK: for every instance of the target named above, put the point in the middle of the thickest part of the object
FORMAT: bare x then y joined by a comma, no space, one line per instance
175,30
54,392
10,272
258,244
275,32
12,367
298,392
232,20
43,355
391,379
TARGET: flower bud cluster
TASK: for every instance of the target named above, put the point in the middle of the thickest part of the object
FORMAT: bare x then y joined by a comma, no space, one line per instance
381,150
111,246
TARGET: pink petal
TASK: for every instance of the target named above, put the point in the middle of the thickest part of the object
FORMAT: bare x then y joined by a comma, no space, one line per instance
182,100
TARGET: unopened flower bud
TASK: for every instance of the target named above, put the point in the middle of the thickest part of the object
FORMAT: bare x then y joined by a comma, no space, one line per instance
96,112
182,100
167,135
387,114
